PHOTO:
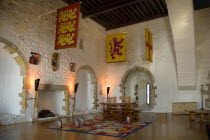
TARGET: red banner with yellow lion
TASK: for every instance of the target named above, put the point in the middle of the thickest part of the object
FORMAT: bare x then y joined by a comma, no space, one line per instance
67,26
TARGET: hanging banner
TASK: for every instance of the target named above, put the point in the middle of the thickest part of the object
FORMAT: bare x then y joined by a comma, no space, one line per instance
67,26
116,48
149,45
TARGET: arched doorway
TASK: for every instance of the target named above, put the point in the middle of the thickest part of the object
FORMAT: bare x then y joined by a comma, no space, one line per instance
13,79
138,83
85,100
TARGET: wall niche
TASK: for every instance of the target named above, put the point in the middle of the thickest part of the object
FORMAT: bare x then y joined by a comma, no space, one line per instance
136,83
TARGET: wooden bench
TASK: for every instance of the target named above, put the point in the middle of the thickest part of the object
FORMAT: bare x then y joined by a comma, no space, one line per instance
133,114
118,114
201,114
109,113
119,111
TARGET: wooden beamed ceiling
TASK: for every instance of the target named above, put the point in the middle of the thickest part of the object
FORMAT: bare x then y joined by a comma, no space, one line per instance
113,14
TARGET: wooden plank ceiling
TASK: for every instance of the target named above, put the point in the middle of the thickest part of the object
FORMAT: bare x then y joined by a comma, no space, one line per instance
201,4
113,14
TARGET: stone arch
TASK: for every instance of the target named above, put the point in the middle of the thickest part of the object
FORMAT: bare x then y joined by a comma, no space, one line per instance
148,73
19,58
93,81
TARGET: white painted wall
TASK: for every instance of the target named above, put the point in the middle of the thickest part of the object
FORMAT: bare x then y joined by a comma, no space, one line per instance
84,96
140,79
163,68
51,100
202,26
22,25
181,14
11,83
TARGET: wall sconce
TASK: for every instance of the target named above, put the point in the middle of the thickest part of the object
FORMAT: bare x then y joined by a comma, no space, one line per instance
108,88
76,87
37,84
35,97
202,97
75,90
36,87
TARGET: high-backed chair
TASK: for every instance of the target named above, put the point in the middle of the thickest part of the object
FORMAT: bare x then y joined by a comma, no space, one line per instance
112,100
128,111
109,112
126,99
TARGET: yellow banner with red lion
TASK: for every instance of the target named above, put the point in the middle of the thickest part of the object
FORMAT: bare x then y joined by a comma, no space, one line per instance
67,26
116,48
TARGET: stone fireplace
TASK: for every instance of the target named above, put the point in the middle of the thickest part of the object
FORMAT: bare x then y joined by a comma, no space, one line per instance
54,98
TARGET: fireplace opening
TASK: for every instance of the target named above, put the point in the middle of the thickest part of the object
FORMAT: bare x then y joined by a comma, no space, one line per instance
45,114
50,104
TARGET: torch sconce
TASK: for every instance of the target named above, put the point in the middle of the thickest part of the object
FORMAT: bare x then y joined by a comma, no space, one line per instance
108,89
75,90
202,92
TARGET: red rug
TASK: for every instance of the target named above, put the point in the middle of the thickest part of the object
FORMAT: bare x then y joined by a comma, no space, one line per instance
105,128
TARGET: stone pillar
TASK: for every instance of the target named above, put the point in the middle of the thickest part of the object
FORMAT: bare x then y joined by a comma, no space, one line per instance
182,25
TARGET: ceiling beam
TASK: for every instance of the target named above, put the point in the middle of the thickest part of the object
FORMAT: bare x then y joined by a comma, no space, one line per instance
109,7
142,13
71,1
155,5
161,7
141,5
98,20
150,9
135,22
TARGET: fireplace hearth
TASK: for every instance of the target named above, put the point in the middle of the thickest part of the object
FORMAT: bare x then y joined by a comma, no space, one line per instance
45,114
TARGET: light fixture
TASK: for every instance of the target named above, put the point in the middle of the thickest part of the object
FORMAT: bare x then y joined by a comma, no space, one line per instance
37,84
76,87
35,97
202,97
108,88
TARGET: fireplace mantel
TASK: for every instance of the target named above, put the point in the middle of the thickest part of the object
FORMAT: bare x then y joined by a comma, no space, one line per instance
52,87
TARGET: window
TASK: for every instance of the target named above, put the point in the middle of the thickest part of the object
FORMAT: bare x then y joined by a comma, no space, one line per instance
147,94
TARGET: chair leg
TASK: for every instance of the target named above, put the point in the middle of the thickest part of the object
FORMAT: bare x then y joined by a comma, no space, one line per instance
136,115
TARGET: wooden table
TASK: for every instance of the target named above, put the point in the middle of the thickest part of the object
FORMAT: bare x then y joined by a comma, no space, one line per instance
202,114
119,105
120,111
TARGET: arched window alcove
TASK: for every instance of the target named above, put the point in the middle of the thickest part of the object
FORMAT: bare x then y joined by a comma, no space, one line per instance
85,100
13,73
138,83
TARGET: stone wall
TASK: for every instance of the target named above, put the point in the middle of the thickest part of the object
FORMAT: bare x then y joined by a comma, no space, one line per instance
202,32
164,66
26,24
10,77
181,16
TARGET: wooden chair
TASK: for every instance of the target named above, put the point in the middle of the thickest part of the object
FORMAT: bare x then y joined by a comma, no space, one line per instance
108,113
112,100
126,99
118,115
133,114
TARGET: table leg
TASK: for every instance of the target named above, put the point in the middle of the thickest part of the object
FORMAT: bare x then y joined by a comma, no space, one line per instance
202,117
192,116
136,115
